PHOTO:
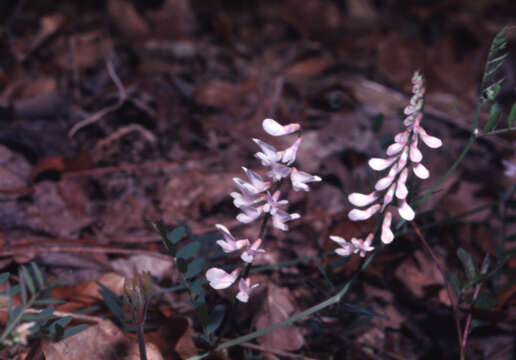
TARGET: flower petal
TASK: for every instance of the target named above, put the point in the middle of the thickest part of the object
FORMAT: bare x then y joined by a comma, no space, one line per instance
394,148
415,154
380,164
272,127
219,279
430,141
289,155
383,183
387,235
359,200
359,215
421,171
406,211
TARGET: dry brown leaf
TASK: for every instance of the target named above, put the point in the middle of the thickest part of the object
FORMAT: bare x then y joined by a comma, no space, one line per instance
103,341
417,276
127,19
277,307
307,68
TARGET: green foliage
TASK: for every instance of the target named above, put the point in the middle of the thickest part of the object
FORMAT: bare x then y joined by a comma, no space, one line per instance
490,86
34,308
468,263
512,116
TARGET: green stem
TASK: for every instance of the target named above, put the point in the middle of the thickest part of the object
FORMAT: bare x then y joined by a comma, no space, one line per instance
141,342
499,131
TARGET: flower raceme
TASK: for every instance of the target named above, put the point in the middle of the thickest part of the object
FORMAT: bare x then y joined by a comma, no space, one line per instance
402,157
255,198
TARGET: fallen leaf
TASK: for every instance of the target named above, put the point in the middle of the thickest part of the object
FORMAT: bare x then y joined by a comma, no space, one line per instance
277,307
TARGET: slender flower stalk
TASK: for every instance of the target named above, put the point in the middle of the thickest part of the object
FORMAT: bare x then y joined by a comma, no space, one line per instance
403,156
255,201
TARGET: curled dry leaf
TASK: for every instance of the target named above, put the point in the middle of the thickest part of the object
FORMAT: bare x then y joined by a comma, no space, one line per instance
277,307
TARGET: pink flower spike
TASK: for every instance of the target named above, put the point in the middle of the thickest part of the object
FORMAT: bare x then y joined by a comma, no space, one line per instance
229,244
272,127
380,164
387,235
253,250
219,279
245,289
430,141
394,148
289,155
346,248
406,211
360,215
300,178
421,171
360,200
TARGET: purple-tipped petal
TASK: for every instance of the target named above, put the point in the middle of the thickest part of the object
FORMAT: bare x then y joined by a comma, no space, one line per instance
380,164
361,200
272,127
360,215
387,235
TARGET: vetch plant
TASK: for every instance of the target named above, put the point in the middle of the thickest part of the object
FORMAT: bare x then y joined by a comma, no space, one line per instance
259,198
403,157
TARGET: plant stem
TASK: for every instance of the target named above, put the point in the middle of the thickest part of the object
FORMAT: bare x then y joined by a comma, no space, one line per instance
141,342
453,299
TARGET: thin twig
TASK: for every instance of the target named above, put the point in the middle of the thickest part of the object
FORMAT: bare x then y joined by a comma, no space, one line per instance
61,314
122,96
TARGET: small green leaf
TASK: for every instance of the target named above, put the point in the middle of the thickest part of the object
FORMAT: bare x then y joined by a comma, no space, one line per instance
28,280
74,330
454,282
3,277
176,235
215,318
194,268
494,114
485,302
62,323
188,250
467,263
512,115
40,279
23,289
196,287
42,315
45,302
182,265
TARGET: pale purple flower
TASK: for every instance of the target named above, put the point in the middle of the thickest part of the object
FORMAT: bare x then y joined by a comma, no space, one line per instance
346,248
280,217
289,155
246,198
394,148
269,155
229,244
359,215
219,279
251,251
387,235
361,200
249,214
278,171
406,211
380,164
300,179
256,180
401,187
245,289
363,246
421,171
430,141
273,204
272,127
510,168
389,195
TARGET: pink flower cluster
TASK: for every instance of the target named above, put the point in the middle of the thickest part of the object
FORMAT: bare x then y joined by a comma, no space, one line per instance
254,199
402,156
